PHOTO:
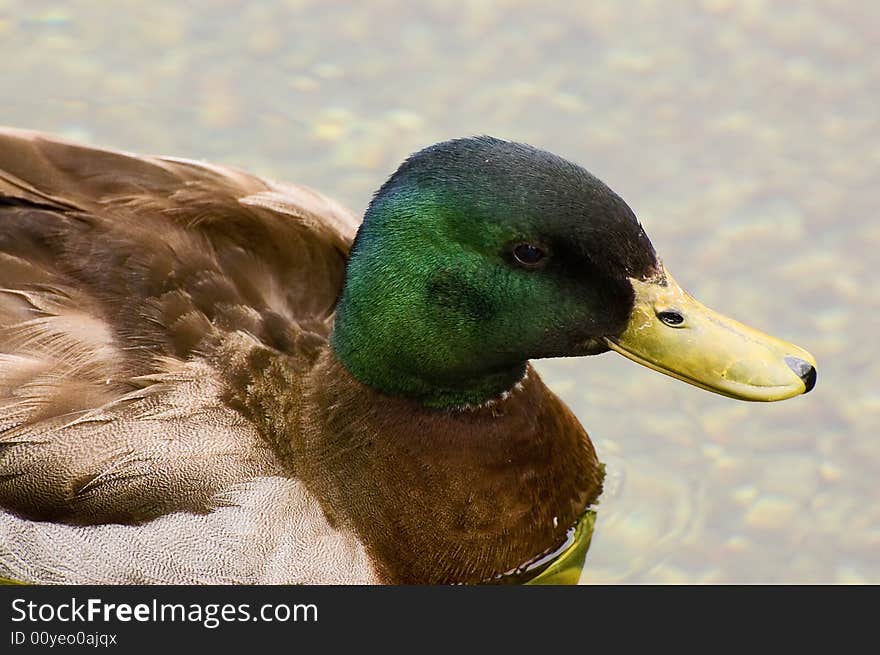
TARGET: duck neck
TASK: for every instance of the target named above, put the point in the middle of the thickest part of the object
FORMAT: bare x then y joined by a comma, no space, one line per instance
394,346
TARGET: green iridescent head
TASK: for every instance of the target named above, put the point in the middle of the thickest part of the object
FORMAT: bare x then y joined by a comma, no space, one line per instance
480,254
477,255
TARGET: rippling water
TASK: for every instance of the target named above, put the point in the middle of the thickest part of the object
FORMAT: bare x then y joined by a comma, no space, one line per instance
745,135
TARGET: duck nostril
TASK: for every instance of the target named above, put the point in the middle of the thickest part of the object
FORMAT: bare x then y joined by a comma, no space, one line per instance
804,370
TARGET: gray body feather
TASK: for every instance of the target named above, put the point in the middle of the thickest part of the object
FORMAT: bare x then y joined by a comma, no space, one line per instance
129,286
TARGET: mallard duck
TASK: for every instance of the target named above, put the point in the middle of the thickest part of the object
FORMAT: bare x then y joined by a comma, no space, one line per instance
208,377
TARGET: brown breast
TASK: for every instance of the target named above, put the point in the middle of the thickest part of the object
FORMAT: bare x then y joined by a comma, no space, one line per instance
442,496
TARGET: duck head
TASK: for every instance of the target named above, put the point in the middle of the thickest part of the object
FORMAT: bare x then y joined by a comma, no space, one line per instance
480,254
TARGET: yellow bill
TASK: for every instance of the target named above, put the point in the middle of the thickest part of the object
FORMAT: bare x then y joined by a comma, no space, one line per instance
672,333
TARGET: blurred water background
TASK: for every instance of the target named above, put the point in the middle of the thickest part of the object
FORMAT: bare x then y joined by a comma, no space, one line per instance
745,136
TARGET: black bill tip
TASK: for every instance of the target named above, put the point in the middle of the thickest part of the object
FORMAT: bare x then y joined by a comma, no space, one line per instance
804,370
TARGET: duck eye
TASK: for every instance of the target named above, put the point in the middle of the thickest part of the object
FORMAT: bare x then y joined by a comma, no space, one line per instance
528,254
671,318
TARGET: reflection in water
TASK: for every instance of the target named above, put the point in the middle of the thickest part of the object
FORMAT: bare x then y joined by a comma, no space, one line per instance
562,565
744,135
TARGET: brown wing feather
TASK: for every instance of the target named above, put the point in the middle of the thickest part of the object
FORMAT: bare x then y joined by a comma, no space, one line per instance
120,277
